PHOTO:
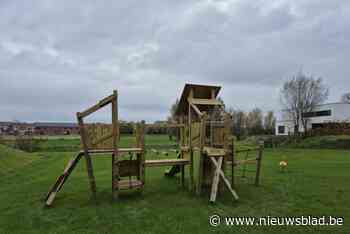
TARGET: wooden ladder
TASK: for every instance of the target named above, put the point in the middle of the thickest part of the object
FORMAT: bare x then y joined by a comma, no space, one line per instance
50,196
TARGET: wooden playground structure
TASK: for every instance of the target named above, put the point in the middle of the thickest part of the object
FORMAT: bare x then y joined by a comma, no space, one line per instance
204,131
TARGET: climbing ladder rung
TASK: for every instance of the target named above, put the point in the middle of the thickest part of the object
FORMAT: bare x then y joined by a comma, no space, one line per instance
128,184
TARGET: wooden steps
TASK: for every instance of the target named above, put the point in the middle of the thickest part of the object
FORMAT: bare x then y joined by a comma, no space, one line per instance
166,162
128,184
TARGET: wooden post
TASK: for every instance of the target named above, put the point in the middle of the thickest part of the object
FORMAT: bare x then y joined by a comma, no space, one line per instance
142,146
190,152
215,183
191,185
233,164
182,168
87,156
258,163
227,137
202,155
115,166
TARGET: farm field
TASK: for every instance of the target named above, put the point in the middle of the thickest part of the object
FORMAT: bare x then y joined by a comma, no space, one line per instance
316,183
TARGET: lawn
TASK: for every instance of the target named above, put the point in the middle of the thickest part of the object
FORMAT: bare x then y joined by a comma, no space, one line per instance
316,183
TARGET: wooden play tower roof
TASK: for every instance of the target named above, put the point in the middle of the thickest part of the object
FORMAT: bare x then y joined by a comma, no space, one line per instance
204,95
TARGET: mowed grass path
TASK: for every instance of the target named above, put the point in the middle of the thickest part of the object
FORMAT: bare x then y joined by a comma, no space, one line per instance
317,183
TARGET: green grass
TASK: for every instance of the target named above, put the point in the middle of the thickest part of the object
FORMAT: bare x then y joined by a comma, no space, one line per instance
316,183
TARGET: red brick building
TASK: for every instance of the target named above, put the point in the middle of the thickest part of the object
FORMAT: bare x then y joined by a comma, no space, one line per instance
55,128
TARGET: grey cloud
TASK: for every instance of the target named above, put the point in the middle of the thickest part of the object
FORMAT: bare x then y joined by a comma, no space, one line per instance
58,57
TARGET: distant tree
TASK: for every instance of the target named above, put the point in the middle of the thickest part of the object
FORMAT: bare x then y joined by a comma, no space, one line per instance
173,132
255,122
345,98
238,122
300,95
269,122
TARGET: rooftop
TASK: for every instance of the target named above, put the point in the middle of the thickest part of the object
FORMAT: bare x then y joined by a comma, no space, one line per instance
199,91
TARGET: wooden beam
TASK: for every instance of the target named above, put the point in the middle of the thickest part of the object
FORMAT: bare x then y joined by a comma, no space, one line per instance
166,162
195,108
115,131
234,194
214,152
208,102
96,107
87,156
215,183
201,154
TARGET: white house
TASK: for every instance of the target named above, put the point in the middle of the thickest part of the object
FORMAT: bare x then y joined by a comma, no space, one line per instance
325,113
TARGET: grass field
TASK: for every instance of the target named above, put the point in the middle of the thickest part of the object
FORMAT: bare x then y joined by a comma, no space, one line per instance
316,183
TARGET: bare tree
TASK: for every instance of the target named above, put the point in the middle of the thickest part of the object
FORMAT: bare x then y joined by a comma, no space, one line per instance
239,123
255,122
345,98
300,95
173,132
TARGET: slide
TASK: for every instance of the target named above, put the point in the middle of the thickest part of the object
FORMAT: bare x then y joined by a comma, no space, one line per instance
61,179
174,169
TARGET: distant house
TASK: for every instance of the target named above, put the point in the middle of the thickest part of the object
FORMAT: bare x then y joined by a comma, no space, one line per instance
15,128
323,115
55,128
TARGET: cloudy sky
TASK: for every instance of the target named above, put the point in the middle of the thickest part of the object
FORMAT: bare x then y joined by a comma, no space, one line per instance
59,57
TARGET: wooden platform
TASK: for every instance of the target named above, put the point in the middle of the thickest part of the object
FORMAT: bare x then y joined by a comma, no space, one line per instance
166,162
126,184
214,152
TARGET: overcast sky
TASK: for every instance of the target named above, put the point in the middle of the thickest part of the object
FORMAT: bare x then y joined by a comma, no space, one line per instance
59,57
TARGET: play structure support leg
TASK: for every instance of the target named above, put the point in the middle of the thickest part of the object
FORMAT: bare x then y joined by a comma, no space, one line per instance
215,183
87,156
201,159
222,175
115,166
182,167
191,183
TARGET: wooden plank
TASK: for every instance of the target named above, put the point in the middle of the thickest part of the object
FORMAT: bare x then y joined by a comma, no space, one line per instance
166,162
87,156
128,184
96,107
214,152
207,102
202,154
227,183
215,183
191,183
195,108
115,164
175,125
120,151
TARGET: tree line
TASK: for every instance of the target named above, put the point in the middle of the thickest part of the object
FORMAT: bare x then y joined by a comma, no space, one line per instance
254,122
